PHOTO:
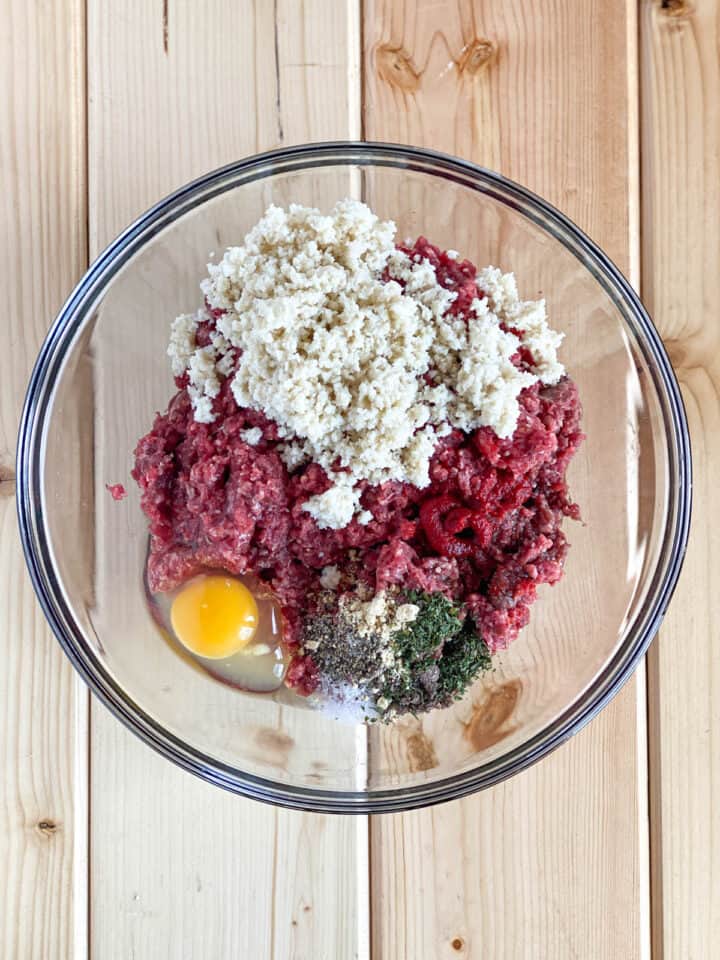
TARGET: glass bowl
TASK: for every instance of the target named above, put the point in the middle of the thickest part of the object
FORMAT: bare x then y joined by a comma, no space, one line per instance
102,374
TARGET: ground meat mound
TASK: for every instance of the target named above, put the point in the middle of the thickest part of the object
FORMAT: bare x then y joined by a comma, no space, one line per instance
485,532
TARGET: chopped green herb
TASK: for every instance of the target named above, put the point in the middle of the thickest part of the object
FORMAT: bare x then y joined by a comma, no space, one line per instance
463,658
437,656
437,620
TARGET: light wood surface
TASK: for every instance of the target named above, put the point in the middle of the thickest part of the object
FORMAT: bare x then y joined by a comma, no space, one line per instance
681,287
169,101
548,100
107,850
43,712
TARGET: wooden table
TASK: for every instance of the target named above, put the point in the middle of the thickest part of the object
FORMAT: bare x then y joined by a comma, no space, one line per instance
610,848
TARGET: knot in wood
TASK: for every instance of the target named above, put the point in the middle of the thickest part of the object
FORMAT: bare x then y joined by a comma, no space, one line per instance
421,752
476,56
47,827
7,481
395,68
676,9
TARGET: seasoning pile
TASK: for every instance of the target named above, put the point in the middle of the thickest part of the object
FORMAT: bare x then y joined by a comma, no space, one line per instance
396,653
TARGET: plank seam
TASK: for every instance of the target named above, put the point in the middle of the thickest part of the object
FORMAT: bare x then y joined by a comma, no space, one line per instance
82,873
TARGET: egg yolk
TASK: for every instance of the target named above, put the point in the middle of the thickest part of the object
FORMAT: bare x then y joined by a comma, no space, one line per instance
214,616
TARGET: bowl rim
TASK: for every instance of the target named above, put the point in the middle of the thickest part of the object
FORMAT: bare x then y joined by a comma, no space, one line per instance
69,322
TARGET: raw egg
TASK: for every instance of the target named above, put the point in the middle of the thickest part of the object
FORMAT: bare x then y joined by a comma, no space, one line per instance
214,616
230,626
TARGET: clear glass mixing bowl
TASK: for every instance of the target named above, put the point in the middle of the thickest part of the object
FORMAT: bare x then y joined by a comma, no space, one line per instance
103,372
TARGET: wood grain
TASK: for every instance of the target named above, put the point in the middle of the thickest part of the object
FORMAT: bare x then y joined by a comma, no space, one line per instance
43,821
553,863
179,868
681,287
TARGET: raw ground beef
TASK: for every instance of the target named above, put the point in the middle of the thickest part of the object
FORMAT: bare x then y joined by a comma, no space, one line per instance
485,532
116,490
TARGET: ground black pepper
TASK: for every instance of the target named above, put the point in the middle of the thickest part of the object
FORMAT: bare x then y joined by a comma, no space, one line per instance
343,654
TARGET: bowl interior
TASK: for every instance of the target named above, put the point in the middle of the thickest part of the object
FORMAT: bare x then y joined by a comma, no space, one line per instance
112,375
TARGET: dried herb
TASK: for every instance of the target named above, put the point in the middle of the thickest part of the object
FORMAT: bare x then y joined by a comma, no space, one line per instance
437,657
437,620
464,657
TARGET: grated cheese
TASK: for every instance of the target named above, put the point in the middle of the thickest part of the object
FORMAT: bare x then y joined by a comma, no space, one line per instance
315,335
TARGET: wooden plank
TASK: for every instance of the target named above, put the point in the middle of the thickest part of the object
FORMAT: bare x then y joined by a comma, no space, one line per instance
179,868
553,863
43,755
681,205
